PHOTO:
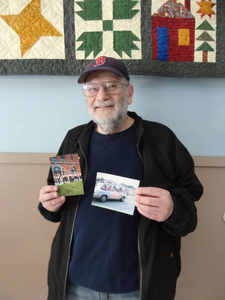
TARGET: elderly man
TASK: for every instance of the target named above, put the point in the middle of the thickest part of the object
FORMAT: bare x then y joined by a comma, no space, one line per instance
103,254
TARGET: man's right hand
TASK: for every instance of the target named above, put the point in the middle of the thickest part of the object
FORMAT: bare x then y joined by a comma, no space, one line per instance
49,199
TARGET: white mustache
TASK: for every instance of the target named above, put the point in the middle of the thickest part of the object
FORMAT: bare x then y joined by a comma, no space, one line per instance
104,104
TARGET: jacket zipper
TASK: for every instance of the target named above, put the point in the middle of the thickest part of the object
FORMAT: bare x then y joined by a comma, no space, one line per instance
71,236
139,250
139,254
68,259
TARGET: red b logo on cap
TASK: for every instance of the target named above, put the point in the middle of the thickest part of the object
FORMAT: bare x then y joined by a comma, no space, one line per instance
100,61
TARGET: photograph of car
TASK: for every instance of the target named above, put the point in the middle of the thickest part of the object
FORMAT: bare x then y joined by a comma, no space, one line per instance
104,192
115,193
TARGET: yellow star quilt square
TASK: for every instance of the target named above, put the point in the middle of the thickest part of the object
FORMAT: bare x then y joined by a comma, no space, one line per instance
32,29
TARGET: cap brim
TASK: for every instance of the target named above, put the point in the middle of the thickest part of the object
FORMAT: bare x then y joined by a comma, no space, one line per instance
82,78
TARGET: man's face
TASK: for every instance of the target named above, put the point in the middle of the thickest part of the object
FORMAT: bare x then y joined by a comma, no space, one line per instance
108,111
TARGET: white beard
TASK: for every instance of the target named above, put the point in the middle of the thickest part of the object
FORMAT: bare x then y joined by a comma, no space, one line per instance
110,122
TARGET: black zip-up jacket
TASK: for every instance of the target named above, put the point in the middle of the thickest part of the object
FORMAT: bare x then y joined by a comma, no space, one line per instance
167,165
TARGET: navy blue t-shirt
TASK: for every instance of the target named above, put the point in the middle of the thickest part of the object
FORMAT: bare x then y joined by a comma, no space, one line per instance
105,251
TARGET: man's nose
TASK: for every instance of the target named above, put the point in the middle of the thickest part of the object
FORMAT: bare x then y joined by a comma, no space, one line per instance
102,93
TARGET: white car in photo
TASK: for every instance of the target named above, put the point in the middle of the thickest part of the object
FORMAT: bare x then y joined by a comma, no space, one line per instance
104,192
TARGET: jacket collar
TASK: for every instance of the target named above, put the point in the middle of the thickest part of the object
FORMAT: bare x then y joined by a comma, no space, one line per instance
89,127
139,122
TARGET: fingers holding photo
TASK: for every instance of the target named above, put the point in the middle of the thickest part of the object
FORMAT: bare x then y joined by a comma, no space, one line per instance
154,203
49,199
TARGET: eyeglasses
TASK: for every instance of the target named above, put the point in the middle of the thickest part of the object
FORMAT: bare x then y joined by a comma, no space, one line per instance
110,87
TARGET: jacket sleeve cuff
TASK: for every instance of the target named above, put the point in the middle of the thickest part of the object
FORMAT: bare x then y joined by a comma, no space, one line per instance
49,215
176,213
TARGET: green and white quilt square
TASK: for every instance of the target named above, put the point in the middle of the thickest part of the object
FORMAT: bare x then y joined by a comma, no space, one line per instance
110,28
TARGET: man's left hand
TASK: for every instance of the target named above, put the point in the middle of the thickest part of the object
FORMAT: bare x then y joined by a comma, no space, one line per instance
154,203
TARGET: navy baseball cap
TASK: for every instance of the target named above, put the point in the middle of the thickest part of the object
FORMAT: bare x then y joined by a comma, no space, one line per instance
110,64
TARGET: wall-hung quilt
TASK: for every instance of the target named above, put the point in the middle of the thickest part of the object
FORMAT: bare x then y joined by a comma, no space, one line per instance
153,37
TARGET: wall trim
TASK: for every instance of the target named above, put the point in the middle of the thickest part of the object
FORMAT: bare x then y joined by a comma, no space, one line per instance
209,161
25,158
43,158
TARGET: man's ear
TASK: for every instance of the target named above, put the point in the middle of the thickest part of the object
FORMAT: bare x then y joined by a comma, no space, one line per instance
130,93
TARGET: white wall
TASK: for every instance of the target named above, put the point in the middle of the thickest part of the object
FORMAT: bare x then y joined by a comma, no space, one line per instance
37,111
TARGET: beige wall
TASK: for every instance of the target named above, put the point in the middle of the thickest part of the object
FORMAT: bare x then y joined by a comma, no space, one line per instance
203,251
26,237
